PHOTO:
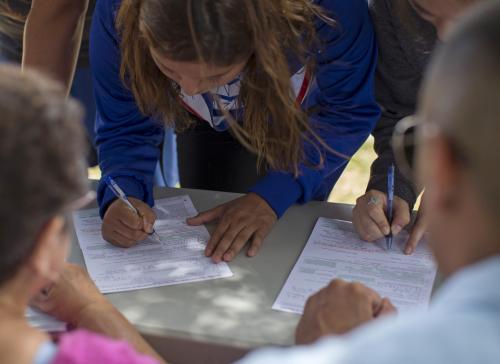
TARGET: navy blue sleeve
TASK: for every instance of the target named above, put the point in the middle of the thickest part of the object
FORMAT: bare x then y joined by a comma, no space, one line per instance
345,110
128,142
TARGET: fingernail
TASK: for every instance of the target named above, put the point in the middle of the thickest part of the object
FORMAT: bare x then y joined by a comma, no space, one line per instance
396,229
228,257
251,253
408,251
387,230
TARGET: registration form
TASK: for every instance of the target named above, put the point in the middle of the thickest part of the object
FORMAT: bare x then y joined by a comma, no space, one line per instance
335,251
177,257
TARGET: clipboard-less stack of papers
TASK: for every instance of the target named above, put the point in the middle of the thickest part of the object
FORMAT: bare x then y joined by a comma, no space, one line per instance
335,251
177,258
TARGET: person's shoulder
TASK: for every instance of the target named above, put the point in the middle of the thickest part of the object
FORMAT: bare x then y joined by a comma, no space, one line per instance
19,342
104,19
344,9
107,9
426,338
351,5
351,18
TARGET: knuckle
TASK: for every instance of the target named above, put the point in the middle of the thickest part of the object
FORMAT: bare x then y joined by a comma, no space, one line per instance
366,236
257,241
361,199
374,211
335,283
238,244
310,301
357,288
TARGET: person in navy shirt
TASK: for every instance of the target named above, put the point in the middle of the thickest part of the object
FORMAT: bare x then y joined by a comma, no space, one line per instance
271,98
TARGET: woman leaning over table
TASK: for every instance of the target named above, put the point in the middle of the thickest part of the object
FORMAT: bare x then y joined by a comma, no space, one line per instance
232,74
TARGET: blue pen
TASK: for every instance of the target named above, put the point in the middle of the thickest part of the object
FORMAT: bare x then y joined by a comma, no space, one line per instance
113,186
390,203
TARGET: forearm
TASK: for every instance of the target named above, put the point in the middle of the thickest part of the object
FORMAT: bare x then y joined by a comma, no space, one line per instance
106,320
404,187
52,37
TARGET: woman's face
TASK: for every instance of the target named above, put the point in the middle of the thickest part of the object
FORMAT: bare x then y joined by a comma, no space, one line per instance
196,78
441,13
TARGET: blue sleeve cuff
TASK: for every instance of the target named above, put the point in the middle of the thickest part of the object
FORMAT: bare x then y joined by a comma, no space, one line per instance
131,185
279,190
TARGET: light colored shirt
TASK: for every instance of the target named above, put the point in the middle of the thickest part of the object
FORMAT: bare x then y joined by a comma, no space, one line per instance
46,353
461,326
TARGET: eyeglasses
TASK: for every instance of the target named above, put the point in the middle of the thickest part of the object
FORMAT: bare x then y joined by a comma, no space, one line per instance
408,135
403,146
80,202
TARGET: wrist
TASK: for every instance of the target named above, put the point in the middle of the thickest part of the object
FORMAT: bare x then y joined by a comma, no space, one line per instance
261,202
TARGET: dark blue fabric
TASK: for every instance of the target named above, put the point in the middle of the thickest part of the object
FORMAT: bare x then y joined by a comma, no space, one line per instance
83,91
345,110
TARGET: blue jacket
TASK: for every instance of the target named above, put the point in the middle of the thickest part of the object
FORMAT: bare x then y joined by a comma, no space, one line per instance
128,142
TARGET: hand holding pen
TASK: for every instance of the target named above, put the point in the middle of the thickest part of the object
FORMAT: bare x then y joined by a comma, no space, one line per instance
127,220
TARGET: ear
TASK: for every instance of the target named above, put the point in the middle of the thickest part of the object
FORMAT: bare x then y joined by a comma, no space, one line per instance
446,177
50,251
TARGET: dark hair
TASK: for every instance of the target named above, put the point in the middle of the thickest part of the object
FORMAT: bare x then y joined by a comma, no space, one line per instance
225,32
42,167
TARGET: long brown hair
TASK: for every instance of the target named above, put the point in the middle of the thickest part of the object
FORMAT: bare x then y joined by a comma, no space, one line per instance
222,33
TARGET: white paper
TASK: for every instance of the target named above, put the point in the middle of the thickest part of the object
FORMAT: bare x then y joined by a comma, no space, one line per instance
178,258
43,321
335,251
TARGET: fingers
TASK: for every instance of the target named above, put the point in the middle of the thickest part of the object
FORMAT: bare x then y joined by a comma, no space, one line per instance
127,217
214,240
207,216
148,217
367,229
370,296
386,308
120,235
118,238
377,215
123,227
245,218
416,234
341,288
227,245
238,244
401,217
369,216
258,239
222,241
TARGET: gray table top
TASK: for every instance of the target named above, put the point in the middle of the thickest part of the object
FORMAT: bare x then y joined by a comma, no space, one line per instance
233,311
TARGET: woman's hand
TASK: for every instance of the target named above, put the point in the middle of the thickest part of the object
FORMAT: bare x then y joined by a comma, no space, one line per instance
70,296
370,220
243,219
123,227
